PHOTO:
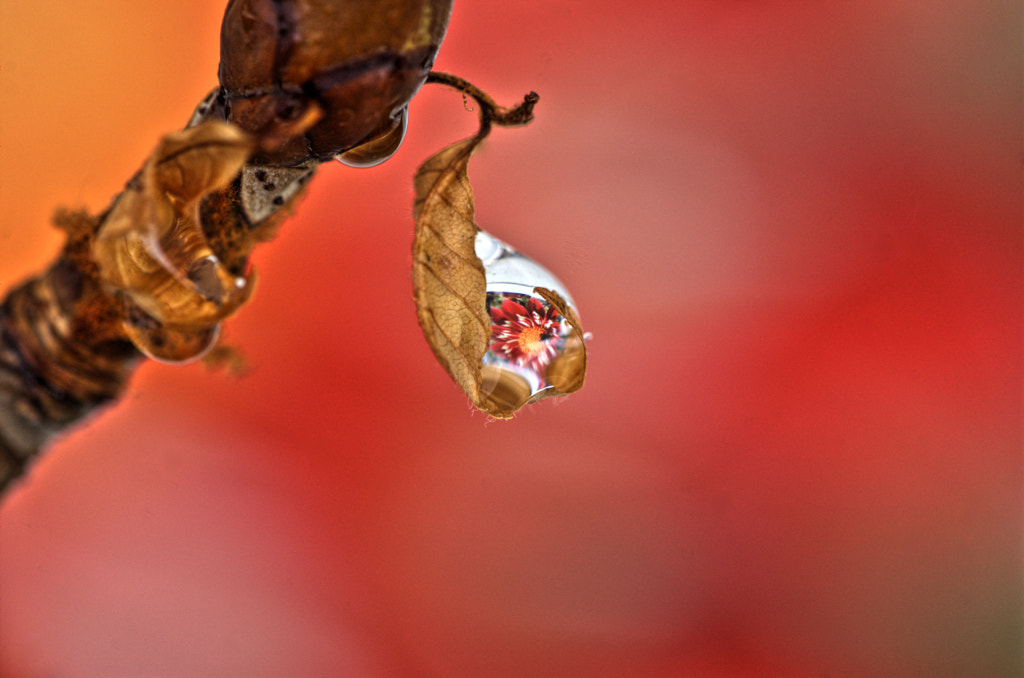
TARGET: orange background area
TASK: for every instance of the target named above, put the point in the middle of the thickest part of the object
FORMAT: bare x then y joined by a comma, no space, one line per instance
795,232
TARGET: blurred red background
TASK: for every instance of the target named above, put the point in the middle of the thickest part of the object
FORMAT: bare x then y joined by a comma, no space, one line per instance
795,232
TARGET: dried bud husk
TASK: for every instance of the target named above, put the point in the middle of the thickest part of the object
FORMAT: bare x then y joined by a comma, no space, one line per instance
502,336
151,246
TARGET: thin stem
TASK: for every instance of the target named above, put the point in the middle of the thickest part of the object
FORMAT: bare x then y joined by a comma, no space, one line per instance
490,111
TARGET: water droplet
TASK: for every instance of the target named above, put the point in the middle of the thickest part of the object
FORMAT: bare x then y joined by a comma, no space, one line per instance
534,349
381,147
164,344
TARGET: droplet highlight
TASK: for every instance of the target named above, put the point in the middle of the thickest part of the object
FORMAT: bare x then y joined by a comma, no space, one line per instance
381,147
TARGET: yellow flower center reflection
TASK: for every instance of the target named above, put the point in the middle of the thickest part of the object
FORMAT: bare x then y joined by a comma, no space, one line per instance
531,340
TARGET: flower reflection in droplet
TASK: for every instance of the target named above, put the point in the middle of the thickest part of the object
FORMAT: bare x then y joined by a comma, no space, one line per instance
525,330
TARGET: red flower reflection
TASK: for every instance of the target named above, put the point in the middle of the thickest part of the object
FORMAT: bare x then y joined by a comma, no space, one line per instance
525,330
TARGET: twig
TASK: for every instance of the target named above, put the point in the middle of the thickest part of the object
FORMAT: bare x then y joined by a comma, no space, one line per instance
156,273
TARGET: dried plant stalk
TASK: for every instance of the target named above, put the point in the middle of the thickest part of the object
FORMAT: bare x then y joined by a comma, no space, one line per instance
154,275
63,351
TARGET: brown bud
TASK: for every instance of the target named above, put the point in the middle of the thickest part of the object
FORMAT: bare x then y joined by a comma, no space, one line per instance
359,61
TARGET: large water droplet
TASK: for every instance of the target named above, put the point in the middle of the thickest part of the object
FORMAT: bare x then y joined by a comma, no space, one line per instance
532,342
380,148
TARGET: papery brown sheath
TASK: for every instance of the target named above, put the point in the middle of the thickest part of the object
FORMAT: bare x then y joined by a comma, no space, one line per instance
301,81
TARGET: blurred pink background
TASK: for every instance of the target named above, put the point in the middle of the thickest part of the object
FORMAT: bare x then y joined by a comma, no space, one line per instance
795,232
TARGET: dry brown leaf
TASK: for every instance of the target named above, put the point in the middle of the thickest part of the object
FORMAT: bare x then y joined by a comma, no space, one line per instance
448,278
451,291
